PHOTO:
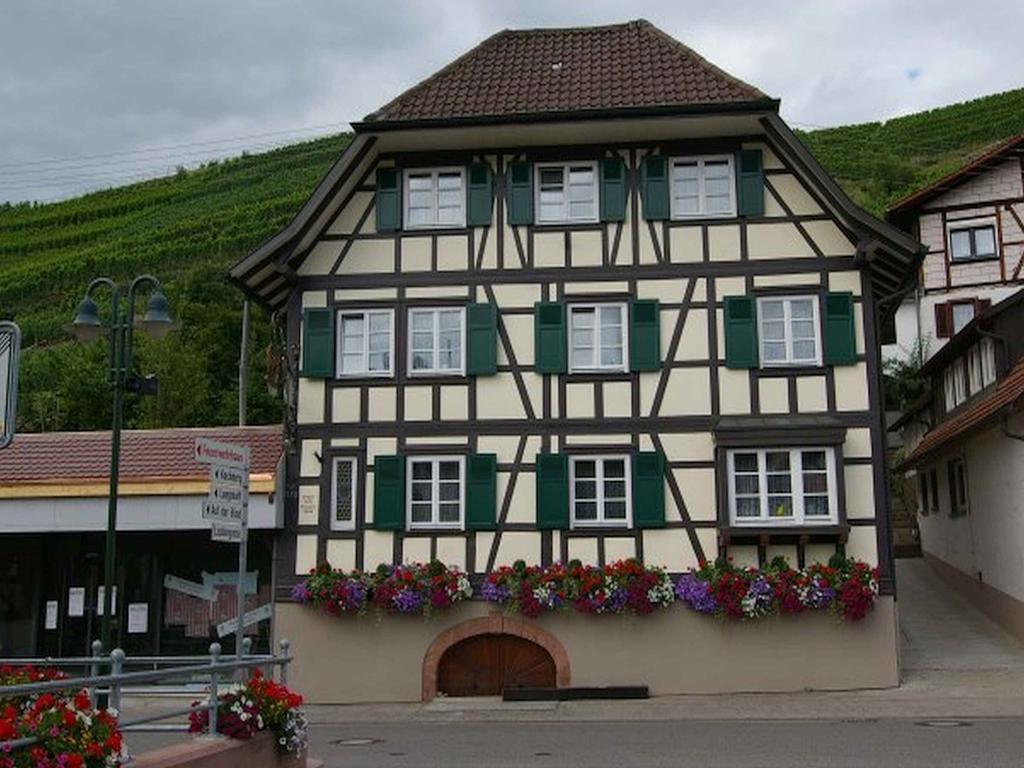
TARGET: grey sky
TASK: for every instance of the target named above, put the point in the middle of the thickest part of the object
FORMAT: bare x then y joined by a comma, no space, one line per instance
93,77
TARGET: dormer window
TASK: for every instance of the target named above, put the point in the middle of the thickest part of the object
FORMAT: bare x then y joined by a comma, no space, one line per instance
435,198
566,192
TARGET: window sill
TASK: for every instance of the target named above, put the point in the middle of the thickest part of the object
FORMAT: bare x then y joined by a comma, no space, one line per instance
792,530
695,217
973,259
359,378
435,229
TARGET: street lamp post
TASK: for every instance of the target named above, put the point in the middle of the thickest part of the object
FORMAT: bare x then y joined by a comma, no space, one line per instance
87,327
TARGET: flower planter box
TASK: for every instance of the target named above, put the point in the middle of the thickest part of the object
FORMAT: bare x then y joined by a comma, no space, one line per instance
203,752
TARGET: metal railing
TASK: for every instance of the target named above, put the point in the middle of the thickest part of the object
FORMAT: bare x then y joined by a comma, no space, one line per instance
107,680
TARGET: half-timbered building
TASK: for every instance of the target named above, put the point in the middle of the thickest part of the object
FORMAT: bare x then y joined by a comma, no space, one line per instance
972,222
582,295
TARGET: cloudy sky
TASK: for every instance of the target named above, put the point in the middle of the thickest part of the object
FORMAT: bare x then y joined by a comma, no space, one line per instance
94,93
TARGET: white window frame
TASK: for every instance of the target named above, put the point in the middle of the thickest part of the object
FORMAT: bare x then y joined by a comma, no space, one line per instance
364,372
435,208
971,224
787,318
796,487
596,366
436,371
954,330
435,496
702,212
601,521
566,218
339,525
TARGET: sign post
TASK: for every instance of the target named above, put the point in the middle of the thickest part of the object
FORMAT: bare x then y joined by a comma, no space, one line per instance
10,351
227,507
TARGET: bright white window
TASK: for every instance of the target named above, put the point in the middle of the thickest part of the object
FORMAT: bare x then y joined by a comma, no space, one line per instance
436,491
435,197
601,493
597,337
972,240
987,353
782,486
437,341
703,186
788,330
955,384
365,342
566,192
963,313
343,503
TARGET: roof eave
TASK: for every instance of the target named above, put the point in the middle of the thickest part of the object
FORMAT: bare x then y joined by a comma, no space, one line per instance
752,106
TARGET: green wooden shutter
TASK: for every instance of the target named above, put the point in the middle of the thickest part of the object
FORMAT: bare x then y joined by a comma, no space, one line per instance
481,492
749,183
389,200
552,490
482,347
389,493
644,335
519,193
613,189
740,332
654,188
648,490
479,195
317,343
840,339
549,337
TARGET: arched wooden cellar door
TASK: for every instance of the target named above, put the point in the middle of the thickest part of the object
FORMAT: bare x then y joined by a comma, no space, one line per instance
486,665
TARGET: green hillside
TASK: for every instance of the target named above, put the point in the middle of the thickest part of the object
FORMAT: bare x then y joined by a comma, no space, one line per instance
187,228
878,163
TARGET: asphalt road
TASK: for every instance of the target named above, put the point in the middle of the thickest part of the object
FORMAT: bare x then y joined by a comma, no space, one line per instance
707,744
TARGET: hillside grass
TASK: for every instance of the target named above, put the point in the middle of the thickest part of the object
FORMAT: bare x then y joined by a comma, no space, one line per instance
188,228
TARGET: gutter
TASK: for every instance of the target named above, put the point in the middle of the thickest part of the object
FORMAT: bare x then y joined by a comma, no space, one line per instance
754,106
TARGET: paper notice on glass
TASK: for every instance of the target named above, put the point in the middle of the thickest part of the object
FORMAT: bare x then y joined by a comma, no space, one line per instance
76,601
138,618
51,614
99,600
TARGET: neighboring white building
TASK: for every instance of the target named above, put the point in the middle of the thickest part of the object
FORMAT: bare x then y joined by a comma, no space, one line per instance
54,488
965,453
972,222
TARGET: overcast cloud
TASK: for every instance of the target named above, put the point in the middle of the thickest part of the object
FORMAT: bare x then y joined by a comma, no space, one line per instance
177,81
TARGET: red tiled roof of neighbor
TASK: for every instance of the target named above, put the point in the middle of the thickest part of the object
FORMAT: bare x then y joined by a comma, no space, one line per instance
146,454
532,71
1007,392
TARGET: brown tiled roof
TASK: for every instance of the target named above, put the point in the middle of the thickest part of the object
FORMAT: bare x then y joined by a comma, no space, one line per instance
535,71
146,454
1006,393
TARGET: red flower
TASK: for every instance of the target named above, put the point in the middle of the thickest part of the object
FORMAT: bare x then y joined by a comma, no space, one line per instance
75,760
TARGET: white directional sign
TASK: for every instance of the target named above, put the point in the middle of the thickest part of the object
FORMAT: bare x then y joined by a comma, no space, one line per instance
221,475
232,534
254,616
187,587
222,512
222,454
10,349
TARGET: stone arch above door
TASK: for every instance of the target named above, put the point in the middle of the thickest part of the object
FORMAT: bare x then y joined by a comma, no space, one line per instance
493,624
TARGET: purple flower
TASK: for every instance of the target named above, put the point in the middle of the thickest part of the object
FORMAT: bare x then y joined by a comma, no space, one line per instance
494,593
695,593
300,593
407,601
818,594
615,601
